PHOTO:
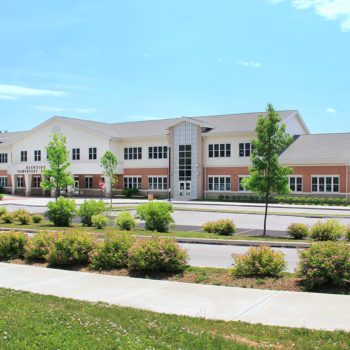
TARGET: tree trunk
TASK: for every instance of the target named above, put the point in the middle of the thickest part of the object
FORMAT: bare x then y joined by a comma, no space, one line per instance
265,217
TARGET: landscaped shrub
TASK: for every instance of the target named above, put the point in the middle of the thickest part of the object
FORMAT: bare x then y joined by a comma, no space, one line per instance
298,231
262,261
325,264
221,227
99,221
8,218
220,197
157,254
24,219
227,197
61,212
37,218
12,245
1,196
70,248
90,208
125,221
111,253
37,246
347,233
156,215
130,192
19,212
3,211
331,230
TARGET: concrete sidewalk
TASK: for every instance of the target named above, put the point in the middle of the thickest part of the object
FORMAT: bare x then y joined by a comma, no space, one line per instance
269,307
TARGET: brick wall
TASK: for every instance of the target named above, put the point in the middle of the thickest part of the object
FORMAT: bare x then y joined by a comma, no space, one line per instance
144,173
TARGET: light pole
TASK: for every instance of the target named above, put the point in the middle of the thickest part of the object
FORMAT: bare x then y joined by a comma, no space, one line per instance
169,182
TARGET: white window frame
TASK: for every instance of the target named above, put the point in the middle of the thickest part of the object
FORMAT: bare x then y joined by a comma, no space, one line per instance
92,153
131,181
89,183
219,180
75,153
157,152
324,177
156,185
20,181
36,181
241,188
3,181
296,183
246,149
219,150
132,153
37,155
24,156
3,157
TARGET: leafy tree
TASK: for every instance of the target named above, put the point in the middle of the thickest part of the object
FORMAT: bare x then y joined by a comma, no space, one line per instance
57,177
266,175
109,166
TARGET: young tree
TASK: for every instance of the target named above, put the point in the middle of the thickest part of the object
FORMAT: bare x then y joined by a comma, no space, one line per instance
266,175
57,177
109,166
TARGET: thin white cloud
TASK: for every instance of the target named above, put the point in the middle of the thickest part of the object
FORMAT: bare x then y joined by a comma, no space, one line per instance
249,64
20,91
331,110
68,110
6,97
329,9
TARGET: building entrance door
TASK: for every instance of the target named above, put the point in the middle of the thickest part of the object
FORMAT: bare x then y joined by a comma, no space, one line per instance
185,189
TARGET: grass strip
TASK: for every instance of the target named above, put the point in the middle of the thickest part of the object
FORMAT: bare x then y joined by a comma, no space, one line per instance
32,321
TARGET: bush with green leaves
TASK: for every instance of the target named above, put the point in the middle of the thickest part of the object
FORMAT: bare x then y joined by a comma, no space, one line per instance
298,231
100,221
12,245
262,261
38,245
1,196
70,248
8,218
156,254
111,253
325,264
37,218
125,221
19,212
347,233
330,230
221,227
61,212
3,211
90,208
156,215
128,192
24,219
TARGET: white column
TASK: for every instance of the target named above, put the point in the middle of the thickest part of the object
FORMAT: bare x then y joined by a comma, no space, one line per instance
108,187
28,181
13,180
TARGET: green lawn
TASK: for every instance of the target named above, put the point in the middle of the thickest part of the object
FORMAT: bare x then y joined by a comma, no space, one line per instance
32,321
46,225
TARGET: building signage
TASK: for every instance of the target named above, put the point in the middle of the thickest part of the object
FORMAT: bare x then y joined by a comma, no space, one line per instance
31,169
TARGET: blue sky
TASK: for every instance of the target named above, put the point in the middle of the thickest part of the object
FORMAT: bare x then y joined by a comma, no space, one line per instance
118,61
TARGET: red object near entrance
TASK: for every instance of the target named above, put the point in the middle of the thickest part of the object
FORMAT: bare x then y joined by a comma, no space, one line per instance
101,183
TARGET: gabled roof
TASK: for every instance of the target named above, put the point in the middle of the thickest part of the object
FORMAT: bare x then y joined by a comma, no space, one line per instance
318,147
7,138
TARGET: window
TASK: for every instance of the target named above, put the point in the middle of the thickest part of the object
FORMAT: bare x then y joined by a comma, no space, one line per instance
24,156
325,183
76,153
20,181
219,183
88,181
3,157
185,162
3,181
245,149
132,153
158,152
296,183
157,183
219,150
36,181
132,182
240,187
37,155
92,153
